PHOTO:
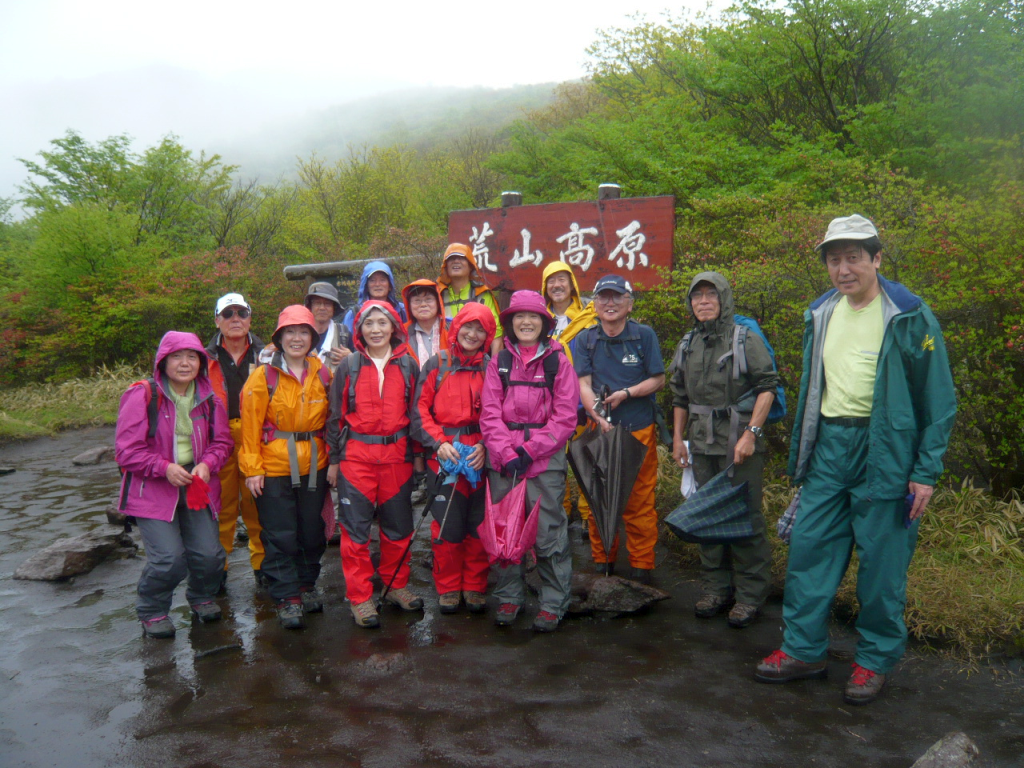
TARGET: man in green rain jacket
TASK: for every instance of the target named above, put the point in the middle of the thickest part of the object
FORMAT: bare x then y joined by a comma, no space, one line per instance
876,407
725,410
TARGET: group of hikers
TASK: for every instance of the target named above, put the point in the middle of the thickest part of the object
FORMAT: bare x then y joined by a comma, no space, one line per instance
436,385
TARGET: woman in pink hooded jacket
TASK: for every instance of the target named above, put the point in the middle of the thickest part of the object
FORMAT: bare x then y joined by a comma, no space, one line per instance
170,431
528,414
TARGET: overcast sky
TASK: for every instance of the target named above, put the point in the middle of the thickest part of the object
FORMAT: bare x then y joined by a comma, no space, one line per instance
208,69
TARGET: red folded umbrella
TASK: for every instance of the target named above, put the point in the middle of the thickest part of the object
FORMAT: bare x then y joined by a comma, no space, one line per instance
198,494
507,532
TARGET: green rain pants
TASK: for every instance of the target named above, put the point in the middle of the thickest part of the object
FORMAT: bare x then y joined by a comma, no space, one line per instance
835,515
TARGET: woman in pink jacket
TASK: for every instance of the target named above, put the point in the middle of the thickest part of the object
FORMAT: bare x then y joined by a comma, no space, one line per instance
528,414
170,430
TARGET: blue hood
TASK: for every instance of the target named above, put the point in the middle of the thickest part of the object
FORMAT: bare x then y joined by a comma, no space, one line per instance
369,269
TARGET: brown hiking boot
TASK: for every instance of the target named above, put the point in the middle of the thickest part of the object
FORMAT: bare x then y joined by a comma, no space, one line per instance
742,615
710,605
449,602
863,686
780,667
405,599
475,601
365,614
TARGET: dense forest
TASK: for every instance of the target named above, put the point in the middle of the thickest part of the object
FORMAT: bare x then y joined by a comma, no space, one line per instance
764,124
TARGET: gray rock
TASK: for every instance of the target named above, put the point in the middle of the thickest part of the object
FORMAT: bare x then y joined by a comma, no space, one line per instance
5,470
94,456
70,557
387,662
611,595
953,750
115,516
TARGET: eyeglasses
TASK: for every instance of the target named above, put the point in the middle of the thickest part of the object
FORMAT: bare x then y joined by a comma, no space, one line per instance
228,313
611,298
709,294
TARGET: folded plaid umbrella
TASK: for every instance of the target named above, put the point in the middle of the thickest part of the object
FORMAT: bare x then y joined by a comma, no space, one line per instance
716,513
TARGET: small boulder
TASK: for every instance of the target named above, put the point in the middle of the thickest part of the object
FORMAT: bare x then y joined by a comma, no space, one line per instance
954,750
115,516
94,456
611,595
5,470
71,557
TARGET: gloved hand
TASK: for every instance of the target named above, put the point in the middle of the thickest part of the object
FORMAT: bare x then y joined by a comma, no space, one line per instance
518,465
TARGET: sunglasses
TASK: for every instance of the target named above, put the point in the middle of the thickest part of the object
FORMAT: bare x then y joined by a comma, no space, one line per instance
227,314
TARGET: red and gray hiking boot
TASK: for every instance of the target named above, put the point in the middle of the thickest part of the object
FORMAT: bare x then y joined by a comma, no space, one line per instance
160,627
863,686
507,613
289,613
780,667
206,612
546,621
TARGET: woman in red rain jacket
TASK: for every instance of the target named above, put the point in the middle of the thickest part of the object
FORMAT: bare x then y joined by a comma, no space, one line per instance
368,432
448,410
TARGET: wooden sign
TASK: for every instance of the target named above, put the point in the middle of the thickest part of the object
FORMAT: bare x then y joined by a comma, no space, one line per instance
630,237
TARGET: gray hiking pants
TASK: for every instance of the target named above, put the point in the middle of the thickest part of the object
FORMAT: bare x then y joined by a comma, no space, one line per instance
188,545
743,568
554,555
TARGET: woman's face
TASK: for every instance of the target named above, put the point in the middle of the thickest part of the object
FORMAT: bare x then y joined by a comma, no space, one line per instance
376,329
296,341
528,327
471,336
182,366
423,307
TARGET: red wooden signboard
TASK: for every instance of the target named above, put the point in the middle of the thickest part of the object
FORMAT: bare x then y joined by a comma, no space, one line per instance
630,237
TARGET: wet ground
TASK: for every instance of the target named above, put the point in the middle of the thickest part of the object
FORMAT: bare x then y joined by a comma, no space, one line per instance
80,687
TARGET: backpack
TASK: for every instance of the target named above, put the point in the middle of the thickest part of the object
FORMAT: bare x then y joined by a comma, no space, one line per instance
444,367
273,376
153,407
505,370
744,325
410,373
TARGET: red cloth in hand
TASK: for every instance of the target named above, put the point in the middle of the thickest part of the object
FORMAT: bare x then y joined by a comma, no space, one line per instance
198,494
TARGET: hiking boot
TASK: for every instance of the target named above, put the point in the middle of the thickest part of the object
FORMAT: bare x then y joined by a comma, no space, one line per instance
159,628
710,605
779,667
507,613
863,686
289,613
742,615
262,582
312,600
641,575
365,614
405,599
545,622
206,612
476,602
449,602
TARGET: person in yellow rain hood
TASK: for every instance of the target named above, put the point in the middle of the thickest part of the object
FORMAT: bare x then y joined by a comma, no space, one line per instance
565,303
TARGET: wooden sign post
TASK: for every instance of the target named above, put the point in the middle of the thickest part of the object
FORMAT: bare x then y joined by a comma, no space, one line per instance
631,237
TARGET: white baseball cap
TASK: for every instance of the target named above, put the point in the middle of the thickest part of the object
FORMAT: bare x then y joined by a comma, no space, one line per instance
854,227
230,300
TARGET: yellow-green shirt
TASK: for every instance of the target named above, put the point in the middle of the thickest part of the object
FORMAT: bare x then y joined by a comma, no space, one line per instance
852,343
454,300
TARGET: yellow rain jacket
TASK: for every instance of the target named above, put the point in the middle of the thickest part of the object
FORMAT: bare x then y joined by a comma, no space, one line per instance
580,316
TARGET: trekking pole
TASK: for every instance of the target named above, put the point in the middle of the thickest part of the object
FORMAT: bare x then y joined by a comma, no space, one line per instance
426,511
444,519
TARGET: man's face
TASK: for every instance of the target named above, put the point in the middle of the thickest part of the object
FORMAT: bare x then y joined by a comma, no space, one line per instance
423,307
559,288
457,266
851,268
378,286
323,311
612,306
705,302
233,327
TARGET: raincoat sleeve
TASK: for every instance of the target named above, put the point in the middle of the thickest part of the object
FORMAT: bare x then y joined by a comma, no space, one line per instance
133,450
565,396
760,371
253,407
496,436
934,395
219,451
425,430
335,439
677,382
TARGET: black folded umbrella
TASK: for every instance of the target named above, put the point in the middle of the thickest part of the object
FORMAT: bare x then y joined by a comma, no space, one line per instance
606,466
716,513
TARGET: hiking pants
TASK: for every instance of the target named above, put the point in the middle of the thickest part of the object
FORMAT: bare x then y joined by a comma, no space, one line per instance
292,532
235,499
185,545
640,516
460,561
365,489
742,568
835,515
554,555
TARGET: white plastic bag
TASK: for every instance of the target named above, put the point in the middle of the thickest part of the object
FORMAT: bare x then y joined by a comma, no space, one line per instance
688,485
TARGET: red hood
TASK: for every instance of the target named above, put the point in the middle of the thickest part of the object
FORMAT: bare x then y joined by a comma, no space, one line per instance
398,336
468,314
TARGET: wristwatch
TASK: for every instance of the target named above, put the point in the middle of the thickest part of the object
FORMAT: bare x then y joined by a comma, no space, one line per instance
756,430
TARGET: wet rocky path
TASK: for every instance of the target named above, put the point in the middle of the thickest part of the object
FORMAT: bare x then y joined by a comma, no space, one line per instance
80,687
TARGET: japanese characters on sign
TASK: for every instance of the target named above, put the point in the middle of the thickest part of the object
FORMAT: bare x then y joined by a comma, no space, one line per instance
628,236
